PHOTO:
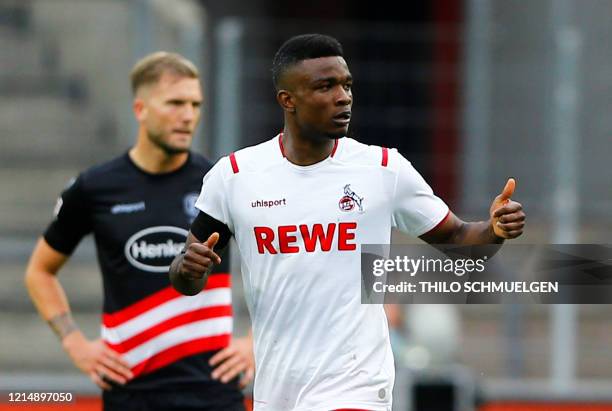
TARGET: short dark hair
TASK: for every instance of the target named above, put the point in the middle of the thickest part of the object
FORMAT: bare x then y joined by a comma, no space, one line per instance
303,47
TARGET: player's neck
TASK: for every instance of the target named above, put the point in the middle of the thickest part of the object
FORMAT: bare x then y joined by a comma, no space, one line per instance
305,151
154,160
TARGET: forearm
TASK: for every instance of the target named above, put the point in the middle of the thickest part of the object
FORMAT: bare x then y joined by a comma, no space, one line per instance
506,220
182,284
475,233
50,300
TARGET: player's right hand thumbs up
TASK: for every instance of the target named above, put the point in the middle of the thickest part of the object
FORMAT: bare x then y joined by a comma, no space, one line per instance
212,240
199,258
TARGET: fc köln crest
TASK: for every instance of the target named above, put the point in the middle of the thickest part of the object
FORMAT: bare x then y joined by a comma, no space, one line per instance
350,200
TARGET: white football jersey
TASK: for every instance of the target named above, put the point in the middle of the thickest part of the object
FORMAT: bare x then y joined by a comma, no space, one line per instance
299,230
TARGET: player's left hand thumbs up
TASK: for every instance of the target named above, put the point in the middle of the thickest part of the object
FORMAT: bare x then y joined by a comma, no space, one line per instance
507,216
508,190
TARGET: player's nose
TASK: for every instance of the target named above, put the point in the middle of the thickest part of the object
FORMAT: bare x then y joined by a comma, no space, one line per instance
188,113
344,97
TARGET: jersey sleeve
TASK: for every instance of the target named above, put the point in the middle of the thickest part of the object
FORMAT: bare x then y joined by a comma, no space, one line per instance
416,209
72,219
213,196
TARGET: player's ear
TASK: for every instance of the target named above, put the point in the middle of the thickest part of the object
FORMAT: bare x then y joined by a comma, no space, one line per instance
139,108
285,99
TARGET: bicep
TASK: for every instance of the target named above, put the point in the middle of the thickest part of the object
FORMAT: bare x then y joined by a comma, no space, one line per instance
416,209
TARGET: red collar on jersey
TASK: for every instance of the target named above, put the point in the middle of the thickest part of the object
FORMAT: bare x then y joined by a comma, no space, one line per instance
282,147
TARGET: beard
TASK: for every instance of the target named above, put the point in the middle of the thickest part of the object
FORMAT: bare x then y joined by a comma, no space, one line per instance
158,140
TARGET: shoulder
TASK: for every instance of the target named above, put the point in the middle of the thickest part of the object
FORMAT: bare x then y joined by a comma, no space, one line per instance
198,166
255,158
199,162
105,171
88,182
353,151
98,175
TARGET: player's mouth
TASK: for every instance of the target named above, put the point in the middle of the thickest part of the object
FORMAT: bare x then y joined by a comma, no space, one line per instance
182,131
342,119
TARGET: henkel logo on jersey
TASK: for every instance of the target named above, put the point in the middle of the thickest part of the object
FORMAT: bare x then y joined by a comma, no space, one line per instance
154,248
289,239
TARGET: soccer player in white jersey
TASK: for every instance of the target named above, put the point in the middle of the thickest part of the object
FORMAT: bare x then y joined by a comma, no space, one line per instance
299,206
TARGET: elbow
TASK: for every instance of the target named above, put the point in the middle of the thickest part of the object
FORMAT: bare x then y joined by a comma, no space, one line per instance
36,280
31,278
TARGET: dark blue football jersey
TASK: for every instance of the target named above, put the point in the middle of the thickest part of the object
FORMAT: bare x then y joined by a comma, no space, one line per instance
139,222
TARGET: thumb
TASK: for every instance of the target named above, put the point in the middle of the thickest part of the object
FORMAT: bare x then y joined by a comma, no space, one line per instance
508,190
212,240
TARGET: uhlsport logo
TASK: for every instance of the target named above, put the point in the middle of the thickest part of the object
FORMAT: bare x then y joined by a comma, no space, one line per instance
128,208
349,200
154,248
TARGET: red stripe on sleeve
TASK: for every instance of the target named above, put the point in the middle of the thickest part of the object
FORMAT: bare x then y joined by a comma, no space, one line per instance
232,158
439,224
385,156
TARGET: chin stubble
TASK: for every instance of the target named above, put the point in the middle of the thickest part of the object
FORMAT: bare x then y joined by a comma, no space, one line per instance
167,148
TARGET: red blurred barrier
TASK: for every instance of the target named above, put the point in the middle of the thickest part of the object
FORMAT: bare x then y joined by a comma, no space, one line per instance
80,404
544,406
95,404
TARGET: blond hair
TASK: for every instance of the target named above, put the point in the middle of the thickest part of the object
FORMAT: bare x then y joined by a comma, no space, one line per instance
149,69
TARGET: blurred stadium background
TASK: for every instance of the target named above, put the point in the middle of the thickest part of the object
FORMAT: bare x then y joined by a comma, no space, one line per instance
471,91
